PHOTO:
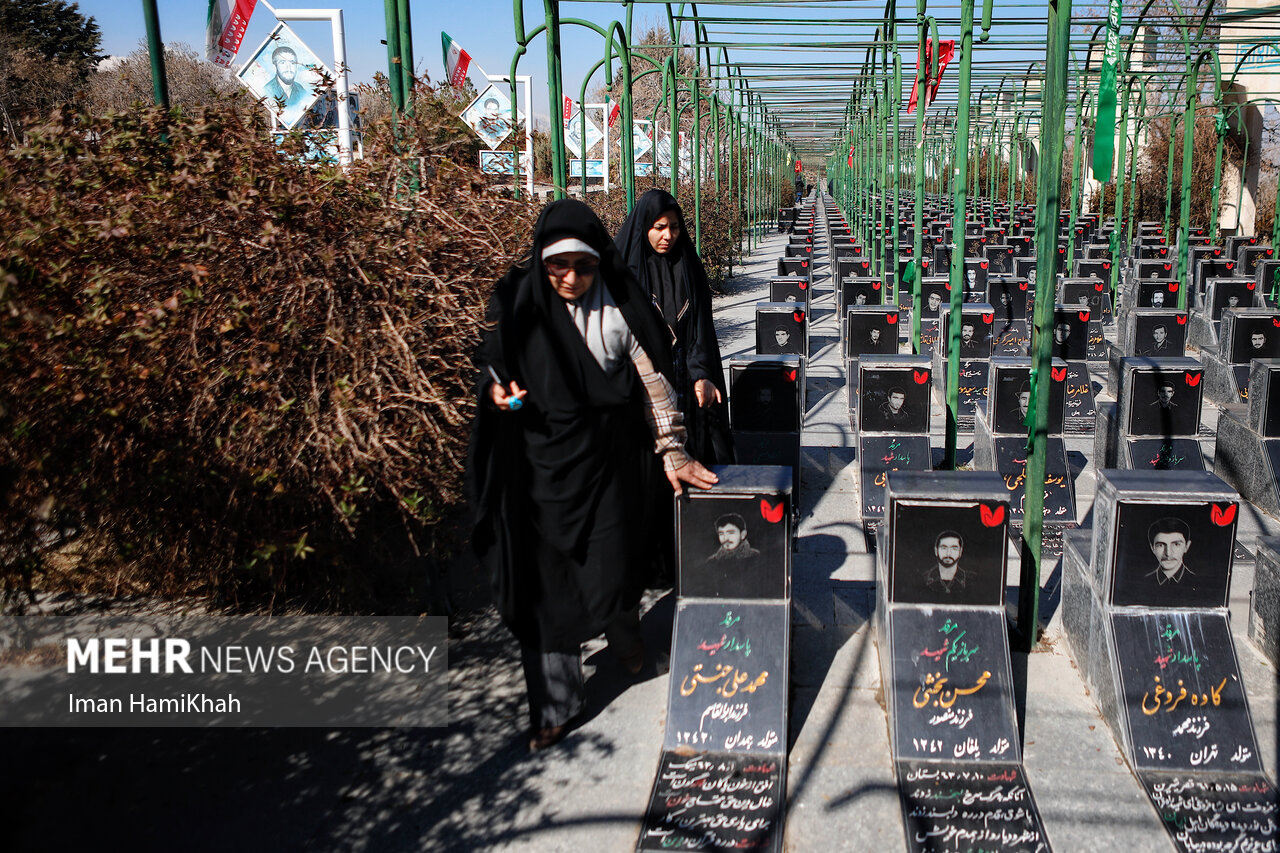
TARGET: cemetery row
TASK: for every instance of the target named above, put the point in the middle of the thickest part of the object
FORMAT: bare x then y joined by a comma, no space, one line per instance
1146,620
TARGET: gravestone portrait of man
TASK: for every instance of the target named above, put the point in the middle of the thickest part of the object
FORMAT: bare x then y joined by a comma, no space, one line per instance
1159,344
782,337
894,410
970,344
1157,299
946,574
933,303
1170,540
731,531
1163,404
1155,564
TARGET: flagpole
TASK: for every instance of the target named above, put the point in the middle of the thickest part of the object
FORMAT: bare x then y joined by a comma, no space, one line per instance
155,47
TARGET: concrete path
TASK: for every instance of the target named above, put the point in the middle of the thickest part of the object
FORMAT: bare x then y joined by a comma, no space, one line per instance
473,786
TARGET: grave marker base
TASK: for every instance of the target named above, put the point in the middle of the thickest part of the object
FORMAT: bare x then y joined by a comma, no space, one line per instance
1214,811
961,807
715,801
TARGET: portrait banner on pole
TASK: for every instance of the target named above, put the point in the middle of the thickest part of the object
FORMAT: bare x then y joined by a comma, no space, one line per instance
286,74
573,134
489,115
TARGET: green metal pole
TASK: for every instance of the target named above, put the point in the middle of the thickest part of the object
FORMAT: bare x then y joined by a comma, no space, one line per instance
922,104
555,97
406,53
155,48
958,224
1052,129
696,97
395,81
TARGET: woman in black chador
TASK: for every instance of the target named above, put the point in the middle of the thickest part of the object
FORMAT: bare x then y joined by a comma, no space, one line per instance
574,404
655,246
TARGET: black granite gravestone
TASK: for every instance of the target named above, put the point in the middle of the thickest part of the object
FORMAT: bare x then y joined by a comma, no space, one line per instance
795,266
1157,293
894,394
1092,294
715,801
1146,619
871,330
1163,539
1251,256
790,289
935,295
1219,811
728,688
856,291
1008,295
999,259
974,284
1070,332
734,539
721,782
1155,333
781,329
1223,293
1180,684
949,686
1009,393
766,393
1159,397
977,321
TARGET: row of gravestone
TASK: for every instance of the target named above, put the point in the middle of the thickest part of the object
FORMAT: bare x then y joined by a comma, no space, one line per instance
944,654
721,780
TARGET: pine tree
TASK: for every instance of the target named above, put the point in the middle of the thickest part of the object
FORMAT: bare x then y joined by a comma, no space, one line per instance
54,29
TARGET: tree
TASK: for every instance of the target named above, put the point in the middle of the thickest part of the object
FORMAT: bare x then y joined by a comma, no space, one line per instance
47,50
54,29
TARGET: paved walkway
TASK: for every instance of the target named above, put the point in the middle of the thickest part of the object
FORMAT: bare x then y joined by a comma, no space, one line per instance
475,787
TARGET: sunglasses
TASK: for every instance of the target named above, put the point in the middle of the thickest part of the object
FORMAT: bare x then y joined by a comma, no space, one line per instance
560,268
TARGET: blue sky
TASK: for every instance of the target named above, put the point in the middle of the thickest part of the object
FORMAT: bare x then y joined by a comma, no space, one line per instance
485,28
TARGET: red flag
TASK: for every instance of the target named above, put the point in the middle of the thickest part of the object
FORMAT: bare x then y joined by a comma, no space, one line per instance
568,108
614,109
947,50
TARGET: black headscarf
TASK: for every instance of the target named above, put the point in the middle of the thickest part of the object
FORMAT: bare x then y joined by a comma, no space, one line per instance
677,284
540,477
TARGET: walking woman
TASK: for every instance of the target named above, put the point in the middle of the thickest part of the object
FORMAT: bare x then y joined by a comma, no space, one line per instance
574,404
656,248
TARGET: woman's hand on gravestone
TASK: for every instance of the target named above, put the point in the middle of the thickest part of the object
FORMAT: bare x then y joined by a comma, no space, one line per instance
706,392
503,400
693,473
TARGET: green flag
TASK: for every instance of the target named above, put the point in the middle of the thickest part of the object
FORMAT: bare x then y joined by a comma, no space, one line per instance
1104,130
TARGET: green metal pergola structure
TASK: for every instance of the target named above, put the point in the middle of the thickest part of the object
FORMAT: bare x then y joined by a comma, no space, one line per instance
758,85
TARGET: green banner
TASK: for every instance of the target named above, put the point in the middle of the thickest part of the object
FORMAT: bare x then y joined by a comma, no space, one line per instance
1104,130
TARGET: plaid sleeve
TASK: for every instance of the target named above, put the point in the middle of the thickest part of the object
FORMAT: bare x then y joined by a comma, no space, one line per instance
666,421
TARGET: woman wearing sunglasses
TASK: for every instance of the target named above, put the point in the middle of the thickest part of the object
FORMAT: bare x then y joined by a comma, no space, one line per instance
576,407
